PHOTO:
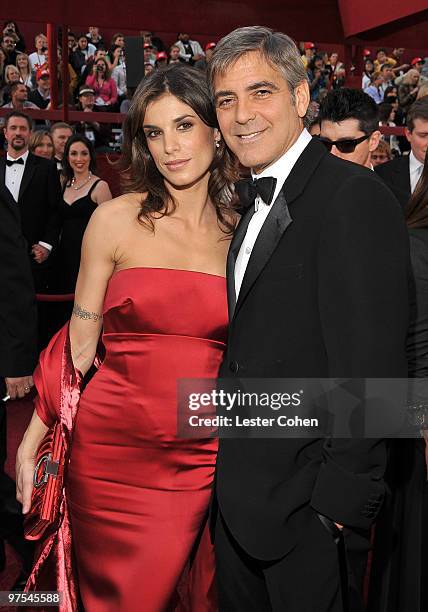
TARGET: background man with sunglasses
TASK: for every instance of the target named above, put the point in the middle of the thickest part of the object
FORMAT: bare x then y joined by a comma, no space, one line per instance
350,125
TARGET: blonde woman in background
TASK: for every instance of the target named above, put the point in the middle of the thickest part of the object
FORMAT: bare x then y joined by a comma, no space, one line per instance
408,89
24,69
41,144
11,75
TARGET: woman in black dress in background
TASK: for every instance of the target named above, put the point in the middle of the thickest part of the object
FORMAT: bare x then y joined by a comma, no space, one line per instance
399,577
83,190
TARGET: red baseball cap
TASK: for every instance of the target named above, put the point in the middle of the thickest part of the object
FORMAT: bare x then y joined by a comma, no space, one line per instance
210,45
309,45
148,46
417,60
41,72
366,52
162,55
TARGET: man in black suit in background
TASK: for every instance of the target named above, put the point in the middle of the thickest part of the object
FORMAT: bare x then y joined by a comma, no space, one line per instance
403,173
31,184
18,356
317,278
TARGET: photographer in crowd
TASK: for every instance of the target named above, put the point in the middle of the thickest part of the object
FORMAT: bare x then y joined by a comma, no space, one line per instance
103,85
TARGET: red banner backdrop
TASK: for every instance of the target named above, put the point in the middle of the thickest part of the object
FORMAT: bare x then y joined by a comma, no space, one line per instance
361,15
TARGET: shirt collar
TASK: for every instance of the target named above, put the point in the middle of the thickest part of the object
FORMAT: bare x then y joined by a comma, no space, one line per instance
24,157
414,164
43,94
284,165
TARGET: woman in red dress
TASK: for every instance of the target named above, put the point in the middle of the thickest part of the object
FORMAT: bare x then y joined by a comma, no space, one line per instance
151,282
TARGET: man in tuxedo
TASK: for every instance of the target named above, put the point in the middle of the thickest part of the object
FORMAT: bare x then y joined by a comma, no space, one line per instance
18,354
403,173
32,185
317,287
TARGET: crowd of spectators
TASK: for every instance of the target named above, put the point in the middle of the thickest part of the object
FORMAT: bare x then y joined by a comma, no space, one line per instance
97,73
98,77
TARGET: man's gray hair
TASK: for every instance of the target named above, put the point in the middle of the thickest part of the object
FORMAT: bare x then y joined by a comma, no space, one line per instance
277,48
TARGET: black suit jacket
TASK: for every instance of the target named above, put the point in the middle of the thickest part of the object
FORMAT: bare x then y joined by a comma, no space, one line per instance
38,201
18,324
325,294
396,174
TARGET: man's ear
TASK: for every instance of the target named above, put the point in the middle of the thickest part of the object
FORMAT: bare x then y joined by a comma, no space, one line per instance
303,97
374,140
408,134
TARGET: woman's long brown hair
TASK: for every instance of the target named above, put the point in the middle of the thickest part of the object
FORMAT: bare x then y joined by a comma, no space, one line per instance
138,170
417,207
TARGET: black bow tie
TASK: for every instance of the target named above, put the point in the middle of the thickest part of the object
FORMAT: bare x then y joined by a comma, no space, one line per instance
10,162
249,189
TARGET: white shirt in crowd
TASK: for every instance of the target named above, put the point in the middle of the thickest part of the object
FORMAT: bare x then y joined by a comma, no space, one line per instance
36,60
279,170
365,82
415,168
28,81
13,179
90,50
195,46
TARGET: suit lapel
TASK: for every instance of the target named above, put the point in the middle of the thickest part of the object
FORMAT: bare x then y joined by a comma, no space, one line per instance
235,245
30,167
5,194
403,175
277,221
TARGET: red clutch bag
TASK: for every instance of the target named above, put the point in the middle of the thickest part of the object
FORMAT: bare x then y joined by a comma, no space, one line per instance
48,485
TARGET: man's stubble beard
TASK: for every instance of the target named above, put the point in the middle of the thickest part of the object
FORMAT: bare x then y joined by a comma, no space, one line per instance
19,147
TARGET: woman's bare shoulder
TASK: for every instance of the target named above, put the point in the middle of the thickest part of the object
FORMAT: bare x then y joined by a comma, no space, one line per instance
119,211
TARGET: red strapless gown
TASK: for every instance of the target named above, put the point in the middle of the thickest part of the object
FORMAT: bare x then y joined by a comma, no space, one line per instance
138,495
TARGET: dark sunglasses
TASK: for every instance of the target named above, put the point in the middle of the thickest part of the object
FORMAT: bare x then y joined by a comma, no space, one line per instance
344,146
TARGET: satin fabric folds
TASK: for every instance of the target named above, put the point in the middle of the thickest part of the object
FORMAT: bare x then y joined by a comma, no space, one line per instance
58,385
136,494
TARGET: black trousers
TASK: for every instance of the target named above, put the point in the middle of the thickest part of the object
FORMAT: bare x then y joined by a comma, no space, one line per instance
307,579
11,518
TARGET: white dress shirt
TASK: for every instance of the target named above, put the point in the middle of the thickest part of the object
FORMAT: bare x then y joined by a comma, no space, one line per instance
13,179
415,168
14,175
279,170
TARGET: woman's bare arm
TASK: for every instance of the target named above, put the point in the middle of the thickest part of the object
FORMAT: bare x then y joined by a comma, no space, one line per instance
101,193
96,267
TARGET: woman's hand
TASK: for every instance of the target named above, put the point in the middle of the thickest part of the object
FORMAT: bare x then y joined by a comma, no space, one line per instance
26,460
25,464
